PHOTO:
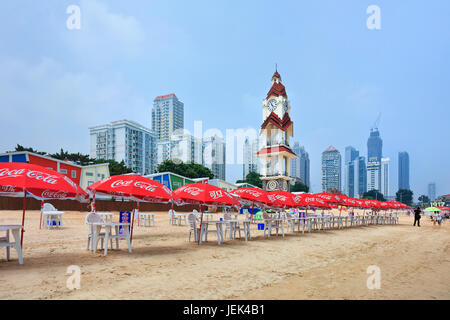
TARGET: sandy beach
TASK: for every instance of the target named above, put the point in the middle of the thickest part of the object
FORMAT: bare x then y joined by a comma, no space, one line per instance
414,263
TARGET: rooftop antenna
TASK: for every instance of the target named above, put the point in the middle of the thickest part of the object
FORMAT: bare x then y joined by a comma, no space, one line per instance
376,123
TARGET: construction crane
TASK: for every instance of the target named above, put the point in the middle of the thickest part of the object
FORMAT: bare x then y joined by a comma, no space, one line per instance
376,123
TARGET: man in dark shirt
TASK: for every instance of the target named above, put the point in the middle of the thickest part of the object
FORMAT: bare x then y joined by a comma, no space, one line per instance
417,212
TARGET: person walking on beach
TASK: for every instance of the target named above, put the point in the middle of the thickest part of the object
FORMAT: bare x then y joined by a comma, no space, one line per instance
438,218
91,205
417,216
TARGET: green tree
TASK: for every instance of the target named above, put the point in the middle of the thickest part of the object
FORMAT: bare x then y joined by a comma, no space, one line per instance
78,158
252,178
22,148
115,168
373,195
335,191
423,199
191,170
299,187
405,196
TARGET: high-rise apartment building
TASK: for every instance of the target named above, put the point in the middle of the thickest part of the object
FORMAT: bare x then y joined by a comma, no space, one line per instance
250,157
125,140
374,155
331,169
385,177
300,165
167,116
214,153
432,191
403,170
355,173
374,145
181,147
350,155
373,174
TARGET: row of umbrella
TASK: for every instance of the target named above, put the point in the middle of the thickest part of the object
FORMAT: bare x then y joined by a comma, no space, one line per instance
319,200
20,179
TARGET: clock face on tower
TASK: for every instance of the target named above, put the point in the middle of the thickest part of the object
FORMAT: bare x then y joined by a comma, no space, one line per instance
272,105
285,106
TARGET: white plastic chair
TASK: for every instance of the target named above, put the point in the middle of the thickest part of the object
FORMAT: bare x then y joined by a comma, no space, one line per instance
231,227
193,228
174,217
91,218
144,216
269,224
48,218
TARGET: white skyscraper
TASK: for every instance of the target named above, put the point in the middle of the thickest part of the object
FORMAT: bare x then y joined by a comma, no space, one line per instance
331,169
167,116
186,148
181,147
355,177
214,153
373,175
300,165
385,177
250,158
125,140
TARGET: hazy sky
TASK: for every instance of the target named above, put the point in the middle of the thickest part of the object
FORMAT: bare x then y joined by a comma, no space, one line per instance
218,58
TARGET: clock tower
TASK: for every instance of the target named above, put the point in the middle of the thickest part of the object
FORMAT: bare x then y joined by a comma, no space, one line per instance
276,129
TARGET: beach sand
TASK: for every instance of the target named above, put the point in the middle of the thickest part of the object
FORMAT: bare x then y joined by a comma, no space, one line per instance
414,263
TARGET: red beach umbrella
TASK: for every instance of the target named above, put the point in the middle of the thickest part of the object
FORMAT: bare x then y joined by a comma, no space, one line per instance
284,199
330,197
203,193
252,195
349,202
132,187
360,203
18,179
384,205
312,200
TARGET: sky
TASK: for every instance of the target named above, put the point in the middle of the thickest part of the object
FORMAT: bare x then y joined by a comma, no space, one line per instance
218,57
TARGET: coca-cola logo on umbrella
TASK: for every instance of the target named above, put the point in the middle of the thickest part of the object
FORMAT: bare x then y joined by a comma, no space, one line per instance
216,194
7,188
42,176
121,183
53,194
254,193
145,186
192,191
6,173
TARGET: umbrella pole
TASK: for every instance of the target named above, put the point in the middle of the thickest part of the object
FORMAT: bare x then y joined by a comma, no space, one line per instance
251,213
93,202
23,215
40,220
201,222
132,221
